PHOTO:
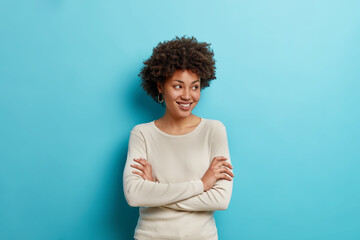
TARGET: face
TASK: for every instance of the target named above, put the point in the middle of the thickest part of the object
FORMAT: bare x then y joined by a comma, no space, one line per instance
181,93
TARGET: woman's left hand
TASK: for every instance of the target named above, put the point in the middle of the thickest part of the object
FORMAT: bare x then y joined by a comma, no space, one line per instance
144,167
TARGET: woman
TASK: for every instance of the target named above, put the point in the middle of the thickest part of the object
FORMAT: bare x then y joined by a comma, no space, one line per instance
178,168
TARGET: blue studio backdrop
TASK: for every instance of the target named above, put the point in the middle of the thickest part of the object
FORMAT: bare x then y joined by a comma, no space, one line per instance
287,90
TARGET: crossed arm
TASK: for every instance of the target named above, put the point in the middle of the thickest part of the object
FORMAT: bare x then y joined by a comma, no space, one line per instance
217,198
186,196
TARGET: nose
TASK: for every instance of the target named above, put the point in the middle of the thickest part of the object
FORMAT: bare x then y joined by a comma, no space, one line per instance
185,95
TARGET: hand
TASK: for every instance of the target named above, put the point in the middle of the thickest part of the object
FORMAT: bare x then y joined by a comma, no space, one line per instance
219,169
145,168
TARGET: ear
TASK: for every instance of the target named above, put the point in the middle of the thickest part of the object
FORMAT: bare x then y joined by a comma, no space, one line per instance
160,87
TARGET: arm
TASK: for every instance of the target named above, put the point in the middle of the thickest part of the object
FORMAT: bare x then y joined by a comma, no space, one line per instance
218,197
139,192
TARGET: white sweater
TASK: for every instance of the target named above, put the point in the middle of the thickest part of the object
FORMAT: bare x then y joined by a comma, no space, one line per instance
176,206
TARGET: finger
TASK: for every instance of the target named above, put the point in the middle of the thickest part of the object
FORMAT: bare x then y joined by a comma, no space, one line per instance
227,164
139,173
145,161
217,159
146,167
140,161
224,176
228,171
137,160
223,163
138,167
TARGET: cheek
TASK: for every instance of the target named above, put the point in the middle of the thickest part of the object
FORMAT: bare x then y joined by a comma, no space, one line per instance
171,96
175,95
197,97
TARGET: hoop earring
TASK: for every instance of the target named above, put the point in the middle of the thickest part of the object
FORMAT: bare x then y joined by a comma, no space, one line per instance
158,97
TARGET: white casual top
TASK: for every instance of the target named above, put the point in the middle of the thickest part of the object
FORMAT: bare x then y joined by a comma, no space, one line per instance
175,206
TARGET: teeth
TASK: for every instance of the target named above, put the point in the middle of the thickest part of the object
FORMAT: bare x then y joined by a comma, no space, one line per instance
185,105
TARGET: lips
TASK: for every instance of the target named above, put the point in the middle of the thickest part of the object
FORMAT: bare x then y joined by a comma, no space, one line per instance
184,105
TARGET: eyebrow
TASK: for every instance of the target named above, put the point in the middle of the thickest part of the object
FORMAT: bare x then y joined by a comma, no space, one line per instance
191,83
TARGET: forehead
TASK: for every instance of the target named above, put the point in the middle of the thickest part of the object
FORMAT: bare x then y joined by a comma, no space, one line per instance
184,76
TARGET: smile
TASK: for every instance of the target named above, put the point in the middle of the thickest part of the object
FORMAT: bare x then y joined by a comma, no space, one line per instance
184,106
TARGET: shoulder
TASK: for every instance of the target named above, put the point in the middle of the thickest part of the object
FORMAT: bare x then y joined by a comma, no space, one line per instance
214,124
215,128
216,132
142,127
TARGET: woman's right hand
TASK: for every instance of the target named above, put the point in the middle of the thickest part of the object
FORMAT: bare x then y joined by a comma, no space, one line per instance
219,169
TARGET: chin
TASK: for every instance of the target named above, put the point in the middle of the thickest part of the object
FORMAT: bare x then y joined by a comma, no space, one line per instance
184,114
180,113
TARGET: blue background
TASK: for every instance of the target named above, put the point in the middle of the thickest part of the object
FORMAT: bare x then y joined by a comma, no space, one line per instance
287,89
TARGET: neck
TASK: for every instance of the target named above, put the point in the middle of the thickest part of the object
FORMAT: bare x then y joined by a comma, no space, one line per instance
177,122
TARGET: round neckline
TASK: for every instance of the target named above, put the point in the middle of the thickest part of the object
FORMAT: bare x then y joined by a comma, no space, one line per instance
181,135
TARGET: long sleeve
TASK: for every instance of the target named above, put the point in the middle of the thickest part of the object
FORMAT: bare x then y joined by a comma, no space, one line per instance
140,192
218,197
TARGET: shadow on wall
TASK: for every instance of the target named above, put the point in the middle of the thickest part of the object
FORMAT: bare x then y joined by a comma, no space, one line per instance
150,110
141,108
122,217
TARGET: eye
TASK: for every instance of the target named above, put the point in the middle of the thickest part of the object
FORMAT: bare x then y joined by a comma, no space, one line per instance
177,86
195,87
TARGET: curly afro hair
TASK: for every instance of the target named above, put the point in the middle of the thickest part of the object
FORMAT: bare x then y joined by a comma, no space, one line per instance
179,53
